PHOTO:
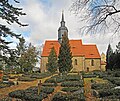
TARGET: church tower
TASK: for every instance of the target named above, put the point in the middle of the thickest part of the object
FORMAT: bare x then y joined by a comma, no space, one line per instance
62,29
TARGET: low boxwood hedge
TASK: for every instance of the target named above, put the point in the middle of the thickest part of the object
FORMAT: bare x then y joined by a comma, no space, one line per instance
6,84
47,90
72,84
114,93
68,97
99,86
70,89
25,78
89,75
49,84
72,78
17,94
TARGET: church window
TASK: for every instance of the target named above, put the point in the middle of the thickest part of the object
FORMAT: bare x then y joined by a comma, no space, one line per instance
75,61
92,62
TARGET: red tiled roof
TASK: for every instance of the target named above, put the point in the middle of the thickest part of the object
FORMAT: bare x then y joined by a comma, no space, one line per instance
48,45
77,49
90,51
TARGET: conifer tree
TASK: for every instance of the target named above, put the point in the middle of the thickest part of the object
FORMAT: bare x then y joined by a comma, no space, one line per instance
108,57
65,55
10,14
52,61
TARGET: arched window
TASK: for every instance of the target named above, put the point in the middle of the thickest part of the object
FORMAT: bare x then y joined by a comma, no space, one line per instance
92,62
75,61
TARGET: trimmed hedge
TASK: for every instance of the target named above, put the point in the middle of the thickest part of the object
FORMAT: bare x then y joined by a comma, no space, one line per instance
40,75
6,84
89,75
98,86
26,78
70,89
72,84
112,93
49,84
17,94
47,90
72,78
68,97
114,80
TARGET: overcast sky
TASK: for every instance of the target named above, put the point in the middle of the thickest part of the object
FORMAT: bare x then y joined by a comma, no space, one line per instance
44,16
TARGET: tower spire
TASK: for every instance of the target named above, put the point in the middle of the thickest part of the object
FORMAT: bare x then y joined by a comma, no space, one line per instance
62,29
62,15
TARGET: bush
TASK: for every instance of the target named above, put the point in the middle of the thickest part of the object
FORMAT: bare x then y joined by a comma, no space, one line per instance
72,78
40,75
89,75
68,97
51,80
17,94
99,86
72,84
47,90
34,97
25,78
114,80
49,84
70,89
59,78
6,84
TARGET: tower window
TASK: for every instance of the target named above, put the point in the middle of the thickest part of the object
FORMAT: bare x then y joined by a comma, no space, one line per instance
75,61
92,62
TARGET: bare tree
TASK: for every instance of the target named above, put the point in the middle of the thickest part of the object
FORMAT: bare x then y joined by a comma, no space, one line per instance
100,15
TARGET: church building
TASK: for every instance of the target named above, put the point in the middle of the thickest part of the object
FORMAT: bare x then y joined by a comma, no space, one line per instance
86,57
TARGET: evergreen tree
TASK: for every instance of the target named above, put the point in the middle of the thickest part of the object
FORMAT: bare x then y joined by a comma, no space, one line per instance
65,55
10,14
117,57
52,61
108,57
28,58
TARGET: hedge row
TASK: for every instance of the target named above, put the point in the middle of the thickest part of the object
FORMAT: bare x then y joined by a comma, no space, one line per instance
6,84
31,94
114,80
110,93
70,89
98,86
68,97
72,84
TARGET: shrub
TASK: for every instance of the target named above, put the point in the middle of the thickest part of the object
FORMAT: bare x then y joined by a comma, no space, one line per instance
68,97
40,75
98,86
49,84
33,89
34,97
47,90
51,80
72,84
25,78
17,94
6,84
89,75
72,78
70,89
114,80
